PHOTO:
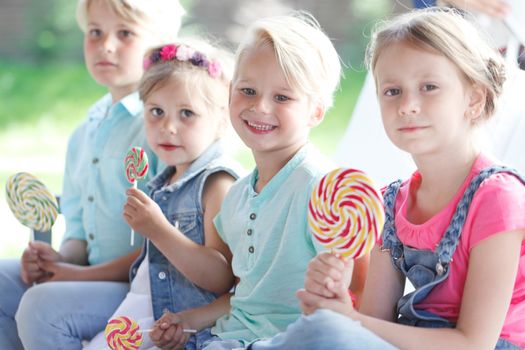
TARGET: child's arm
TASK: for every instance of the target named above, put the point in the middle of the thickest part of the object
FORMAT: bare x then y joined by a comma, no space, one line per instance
488,289
383,288
208,265
167,332
115,270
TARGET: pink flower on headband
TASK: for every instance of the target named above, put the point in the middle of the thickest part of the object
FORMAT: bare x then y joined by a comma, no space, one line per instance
168,52
214,69
184,53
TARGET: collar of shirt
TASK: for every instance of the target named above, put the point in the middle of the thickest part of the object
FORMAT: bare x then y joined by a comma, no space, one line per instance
282,175
130,105
214,151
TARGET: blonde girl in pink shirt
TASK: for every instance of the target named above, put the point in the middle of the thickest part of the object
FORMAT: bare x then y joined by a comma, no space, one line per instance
455,229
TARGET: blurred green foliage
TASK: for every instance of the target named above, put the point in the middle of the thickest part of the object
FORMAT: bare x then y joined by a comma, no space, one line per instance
30,93
52,33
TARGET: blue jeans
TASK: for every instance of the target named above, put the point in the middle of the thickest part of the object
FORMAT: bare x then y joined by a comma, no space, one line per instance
54,315
11,290
324,329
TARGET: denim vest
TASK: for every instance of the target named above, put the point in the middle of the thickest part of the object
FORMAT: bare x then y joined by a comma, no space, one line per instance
181,204
424,268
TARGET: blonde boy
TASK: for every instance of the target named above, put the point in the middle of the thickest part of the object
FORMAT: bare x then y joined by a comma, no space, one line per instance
80,286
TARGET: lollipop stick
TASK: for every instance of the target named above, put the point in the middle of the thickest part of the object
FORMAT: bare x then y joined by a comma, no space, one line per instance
132,231
185,330
31,235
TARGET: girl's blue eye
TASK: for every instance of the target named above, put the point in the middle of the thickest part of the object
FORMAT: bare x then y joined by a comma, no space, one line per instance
95,33
156,112
125,33
281,98
392,92
248,91
429,87
186,113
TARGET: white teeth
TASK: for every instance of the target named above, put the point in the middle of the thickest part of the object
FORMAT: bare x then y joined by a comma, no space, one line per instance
261,127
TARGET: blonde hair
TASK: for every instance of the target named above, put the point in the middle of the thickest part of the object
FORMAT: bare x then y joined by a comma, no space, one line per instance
161,17
198,81
305,54
450,34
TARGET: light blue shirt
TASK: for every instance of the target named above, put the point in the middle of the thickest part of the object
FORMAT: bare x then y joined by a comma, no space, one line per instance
267,233
95,183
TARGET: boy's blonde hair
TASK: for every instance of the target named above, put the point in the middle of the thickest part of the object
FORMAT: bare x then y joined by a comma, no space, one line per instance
305,54
448,33
161,17
190,62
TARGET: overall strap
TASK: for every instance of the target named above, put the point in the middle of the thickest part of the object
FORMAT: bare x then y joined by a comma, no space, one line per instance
389,236
448,244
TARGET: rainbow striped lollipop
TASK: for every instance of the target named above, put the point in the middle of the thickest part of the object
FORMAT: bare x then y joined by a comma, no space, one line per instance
122,333
136,163
345,212
31,202
137,166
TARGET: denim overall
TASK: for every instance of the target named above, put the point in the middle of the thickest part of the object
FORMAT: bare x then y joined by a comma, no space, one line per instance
424,268
181,204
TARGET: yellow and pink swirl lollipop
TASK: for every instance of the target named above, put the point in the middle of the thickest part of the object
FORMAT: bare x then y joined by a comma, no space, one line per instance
31,202
137,166
122,333
345,212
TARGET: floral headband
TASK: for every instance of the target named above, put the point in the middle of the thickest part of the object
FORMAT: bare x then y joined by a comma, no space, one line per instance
183,53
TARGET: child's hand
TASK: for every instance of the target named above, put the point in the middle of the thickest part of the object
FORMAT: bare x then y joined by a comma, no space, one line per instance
35,253
494,8
142,213
341,302
60,271
168,332
325,271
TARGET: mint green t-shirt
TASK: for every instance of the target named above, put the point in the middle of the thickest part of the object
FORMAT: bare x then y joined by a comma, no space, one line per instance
267,233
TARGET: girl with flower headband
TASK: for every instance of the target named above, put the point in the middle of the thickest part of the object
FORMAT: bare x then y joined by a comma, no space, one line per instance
185,94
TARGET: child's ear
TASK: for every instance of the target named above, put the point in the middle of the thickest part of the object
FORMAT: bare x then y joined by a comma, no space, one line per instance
317,115
229,93
477,100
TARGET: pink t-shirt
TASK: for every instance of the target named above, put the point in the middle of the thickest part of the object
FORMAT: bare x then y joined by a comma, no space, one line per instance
497,206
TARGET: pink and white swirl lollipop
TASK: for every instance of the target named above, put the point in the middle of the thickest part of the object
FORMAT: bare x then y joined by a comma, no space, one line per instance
137,166
345,212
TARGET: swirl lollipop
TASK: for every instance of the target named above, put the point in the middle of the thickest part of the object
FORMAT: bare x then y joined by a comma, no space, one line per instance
137,166
31,202
122,333
345,212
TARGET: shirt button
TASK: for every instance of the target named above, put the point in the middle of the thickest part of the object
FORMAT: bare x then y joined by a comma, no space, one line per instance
91,199
253,216
164,198
251,249
249,232
91,236
94,161
162,275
